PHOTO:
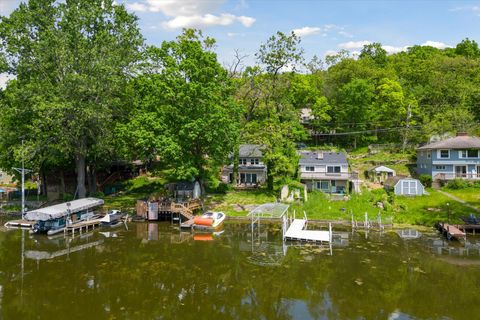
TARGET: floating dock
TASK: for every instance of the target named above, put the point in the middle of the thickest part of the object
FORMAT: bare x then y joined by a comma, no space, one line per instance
451,231
22,224
296,231
82,226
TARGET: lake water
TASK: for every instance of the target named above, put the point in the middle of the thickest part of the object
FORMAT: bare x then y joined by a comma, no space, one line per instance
154,271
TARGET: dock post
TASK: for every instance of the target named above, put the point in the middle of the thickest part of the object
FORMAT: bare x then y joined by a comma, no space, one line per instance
330,231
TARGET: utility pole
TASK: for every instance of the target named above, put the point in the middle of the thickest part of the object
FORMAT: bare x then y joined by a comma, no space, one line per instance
407,125
22,171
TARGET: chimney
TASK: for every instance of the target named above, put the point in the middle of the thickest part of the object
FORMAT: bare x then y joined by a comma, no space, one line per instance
462,134
320,155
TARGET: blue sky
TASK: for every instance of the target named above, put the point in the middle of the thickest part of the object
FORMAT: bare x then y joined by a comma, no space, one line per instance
325,26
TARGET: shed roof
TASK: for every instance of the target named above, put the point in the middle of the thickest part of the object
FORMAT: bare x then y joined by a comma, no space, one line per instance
61,210
392,181
382,169
322,157
458,142
251,150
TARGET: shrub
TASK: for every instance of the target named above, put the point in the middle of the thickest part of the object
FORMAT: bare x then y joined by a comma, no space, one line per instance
457,184
426,180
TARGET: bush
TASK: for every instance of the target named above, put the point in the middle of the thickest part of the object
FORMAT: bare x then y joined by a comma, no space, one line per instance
426,180
457,184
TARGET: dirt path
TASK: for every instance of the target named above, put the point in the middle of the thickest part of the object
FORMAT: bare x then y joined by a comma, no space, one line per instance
459,200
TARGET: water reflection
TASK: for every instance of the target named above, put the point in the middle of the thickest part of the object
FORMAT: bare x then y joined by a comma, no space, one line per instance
155,270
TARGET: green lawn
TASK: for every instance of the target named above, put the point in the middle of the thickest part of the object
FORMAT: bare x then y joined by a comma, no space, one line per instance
361,161
138,188
424,210
239,202
469,195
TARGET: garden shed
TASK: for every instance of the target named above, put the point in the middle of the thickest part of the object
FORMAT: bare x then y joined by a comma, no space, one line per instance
404,186
381,174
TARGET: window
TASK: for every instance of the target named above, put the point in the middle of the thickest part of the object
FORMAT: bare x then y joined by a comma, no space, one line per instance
440,167
324,185
468,153
310,169
334,169
252,161
256,161
429,154
444,154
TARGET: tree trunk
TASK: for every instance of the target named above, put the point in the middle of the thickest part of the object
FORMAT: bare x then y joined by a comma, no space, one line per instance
269,177
94,178
62,183
80,167
44,183
236,156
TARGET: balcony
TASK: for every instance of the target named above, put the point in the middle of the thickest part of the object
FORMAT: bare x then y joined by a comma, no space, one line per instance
451,176
327,176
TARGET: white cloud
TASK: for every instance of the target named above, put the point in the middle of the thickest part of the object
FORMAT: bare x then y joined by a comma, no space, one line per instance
4,77
246,21
392,49
351,45
345,34
137,6
436,44
7,6
306,31
330,53
190,13
235,34
206,20
474,9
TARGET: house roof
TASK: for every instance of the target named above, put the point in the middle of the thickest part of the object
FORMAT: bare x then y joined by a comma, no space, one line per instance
322,157
251,150
458,142
62,209
392,181
382,169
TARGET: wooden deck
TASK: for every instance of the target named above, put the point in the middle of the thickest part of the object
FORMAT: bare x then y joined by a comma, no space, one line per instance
451,231
23,224
187,224
296,232
82,226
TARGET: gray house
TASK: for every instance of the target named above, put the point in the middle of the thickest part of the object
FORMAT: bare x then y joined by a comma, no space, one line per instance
457,157
404,186
251,169
325,171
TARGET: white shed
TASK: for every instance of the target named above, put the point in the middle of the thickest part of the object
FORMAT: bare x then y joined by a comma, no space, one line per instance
405,186
381,174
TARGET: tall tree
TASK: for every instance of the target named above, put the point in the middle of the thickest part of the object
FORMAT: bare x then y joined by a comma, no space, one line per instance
186,107
74,60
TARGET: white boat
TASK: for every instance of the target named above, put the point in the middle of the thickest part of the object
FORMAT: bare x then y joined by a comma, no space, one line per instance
210,220
112,218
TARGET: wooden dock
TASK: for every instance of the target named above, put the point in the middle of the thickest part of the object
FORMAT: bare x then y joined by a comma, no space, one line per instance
22,224
82,226
451,231
296,231
187,224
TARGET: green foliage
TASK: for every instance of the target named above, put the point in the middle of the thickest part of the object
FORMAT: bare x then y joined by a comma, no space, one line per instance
468,48
426,180
457,184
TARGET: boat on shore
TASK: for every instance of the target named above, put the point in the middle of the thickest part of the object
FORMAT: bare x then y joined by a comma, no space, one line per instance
112,219
209,220
54,219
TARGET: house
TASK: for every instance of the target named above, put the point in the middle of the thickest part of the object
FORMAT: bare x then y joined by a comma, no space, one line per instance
251,169
457,157
324,171
185,190
404,186
5,178
306,115
380,173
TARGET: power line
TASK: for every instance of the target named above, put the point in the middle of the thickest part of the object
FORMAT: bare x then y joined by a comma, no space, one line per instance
364,131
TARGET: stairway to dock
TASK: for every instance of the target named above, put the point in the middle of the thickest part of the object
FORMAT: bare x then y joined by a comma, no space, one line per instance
296,231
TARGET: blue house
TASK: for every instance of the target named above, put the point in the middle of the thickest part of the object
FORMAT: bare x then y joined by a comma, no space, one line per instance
457,157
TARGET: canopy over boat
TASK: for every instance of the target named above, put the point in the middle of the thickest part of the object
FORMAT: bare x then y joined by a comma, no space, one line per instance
62,209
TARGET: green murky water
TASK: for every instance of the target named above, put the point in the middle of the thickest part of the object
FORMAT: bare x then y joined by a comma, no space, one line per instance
154,271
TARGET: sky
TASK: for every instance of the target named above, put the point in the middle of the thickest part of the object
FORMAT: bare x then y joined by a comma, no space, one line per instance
325,27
